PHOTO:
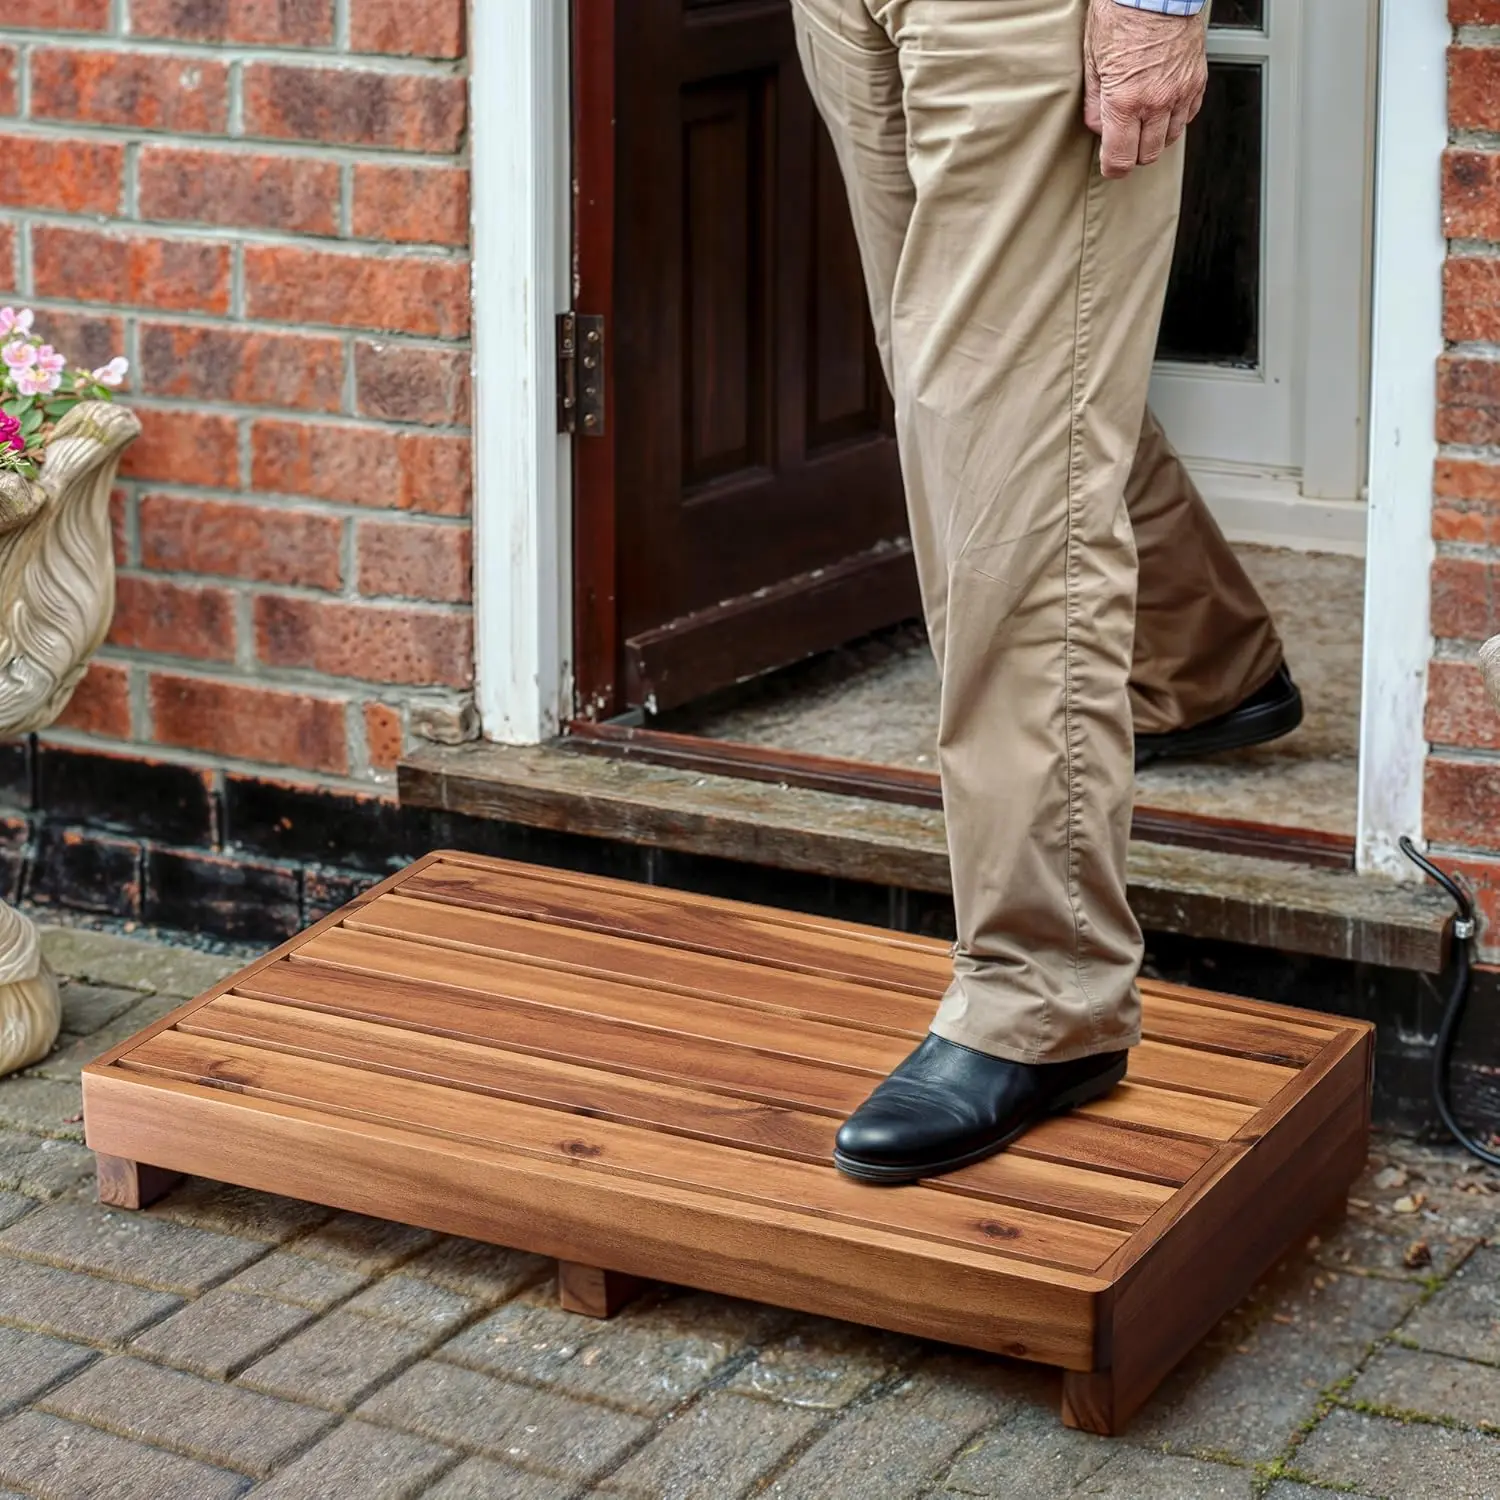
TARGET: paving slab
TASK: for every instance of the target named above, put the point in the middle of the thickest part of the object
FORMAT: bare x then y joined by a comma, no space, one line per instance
14,1207
104,958
87,1007
356,1459
42,1107
129,1246
633,1364
1135,1474
484,1479
296,1279
369,1246
228,1209
1033,1451
1401,1460
541,1431
218,1424
74,1305
337,1361
421,1305
221,1333
1403,1381
1464,1316
488,1273
44,1168
824,1364
64,1461
720,1449
30,1363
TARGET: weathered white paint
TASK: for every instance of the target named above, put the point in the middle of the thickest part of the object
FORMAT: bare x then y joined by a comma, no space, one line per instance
1412,131
520,85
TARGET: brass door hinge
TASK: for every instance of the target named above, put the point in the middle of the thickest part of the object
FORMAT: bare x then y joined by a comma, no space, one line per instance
580,374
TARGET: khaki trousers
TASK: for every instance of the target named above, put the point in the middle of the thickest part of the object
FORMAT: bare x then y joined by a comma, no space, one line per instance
1016,296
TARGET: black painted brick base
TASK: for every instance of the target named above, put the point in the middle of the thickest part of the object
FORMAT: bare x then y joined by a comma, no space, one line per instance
252,860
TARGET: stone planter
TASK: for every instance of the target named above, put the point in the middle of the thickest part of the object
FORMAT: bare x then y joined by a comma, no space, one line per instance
57,597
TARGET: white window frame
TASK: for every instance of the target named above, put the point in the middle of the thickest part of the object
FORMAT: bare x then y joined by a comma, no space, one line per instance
1279,451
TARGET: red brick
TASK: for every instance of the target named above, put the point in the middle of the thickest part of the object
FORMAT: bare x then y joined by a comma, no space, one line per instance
402,383
185,447
101,702
1471,298
152,614
1474,521
250,723
260,542
87,339
73,176
383,736
56,15
354,107
1468,401
232,364
280,23
1474,12
8,278
240,189
411,205
1474,88
407,28
1465,598
8,57
406,294
1471,194
428,472
1462,802
415,560
1482,877
146,91
138,270
1459,711
414,647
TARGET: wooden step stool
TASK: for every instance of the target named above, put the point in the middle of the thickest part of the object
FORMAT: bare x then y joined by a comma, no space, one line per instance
644,1083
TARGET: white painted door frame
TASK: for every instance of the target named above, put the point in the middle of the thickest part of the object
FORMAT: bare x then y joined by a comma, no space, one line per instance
521,86
1406,340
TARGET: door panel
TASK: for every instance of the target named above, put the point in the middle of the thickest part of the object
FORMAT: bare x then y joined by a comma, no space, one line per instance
757,506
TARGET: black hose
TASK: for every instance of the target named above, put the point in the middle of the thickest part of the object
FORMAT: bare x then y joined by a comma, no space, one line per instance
1463,968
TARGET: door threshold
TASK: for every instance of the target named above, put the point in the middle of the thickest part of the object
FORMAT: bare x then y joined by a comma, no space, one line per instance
914,788
899,845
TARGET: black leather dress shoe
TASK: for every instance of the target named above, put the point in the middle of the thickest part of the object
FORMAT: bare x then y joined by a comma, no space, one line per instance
947,1106
1267,715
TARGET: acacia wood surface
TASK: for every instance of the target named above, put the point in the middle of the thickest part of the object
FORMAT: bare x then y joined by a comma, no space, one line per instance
646,1083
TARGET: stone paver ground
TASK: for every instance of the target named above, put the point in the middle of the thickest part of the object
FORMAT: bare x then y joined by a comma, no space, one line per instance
228,1343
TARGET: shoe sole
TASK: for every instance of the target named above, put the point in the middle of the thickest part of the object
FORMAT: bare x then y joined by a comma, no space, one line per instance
1256,726
884,1176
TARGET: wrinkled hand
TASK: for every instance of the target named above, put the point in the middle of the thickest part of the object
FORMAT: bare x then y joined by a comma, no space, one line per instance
1144,77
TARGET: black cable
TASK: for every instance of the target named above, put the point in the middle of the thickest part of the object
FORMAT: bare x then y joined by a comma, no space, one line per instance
1463,968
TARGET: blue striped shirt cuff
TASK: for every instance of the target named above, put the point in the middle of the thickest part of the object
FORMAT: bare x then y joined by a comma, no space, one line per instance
1166,7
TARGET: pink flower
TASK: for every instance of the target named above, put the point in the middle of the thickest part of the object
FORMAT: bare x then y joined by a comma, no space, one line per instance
48,359
12,321
114,372
37,382
18,355
10,433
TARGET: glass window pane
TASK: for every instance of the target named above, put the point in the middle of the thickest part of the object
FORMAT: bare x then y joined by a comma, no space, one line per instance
1239,14
1213,302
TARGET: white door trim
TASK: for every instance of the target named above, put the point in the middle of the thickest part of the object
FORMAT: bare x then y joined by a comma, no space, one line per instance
520,87
1411,133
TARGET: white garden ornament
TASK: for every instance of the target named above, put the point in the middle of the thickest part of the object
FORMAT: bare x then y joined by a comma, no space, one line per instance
60,443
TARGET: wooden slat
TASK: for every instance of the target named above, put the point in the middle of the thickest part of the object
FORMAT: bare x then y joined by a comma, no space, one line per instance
1188,1115
1285,1043
675,919
679,972
1141,1153
648,1158
1217,1075
1092,1195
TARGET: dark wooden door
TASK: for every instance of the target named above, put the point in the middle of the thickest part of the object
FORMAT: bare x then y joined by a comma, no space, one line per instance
743,508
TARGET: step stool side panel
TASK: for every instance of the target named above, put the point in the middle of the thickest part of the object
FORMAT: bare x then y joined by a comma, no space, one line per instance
642,1228
1256,1201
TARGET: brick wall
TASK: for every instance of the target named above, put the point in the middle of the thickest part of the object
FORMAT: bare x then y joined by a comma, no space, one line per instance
1462,813
264,204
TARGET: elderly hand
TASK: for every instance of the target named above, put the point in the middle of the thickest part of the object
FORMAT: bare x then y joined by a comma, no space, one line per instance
1144,77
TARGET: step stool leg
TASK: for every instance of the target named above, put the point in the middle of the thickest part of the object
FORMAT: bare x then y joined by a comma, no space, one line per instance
131,1184
593,1291
1088,1401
